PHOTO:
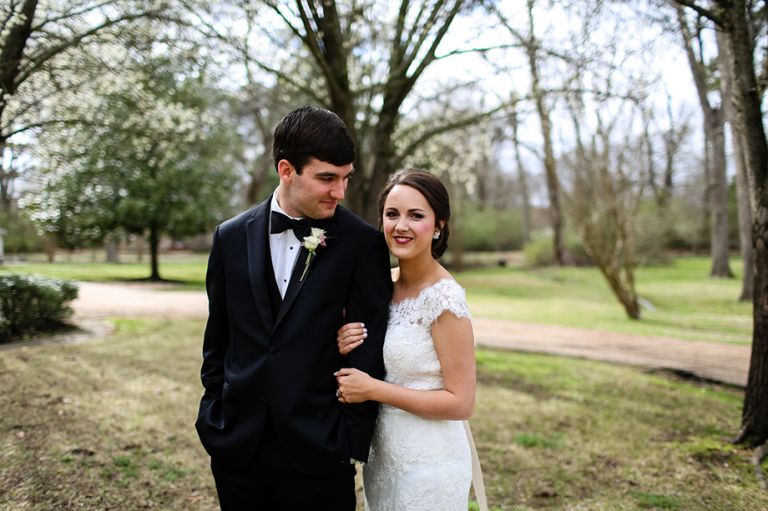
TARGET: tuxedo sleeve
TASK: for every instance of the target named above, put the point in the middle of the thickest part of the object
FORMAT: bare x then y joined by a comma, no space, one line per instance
368,302
216,337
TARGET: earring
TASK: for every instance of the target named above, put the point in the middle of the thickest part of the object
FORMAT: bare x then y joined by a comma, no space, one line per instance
436,235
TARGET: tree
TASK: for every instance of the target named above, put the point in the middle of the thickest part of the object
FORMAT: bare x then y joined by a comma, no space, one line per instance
603,202
457,156
714,133
41,60
731,16
533,51
152,163
366,60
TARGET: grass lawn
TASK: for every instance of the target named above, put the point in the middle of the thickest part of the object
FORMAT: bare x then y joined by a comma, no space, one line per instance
683,302
108,424
187,269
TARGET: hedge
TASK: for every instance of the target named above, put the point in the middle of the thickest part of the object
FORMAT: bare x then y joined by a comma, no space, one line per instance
31,303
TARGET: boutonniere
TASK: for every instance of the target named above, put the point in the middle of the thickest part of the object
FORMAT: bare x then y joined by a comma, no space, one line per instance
311,242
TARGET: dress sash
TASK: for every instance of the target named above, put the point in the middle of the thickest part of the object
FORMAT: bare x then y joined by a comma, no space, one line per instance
477,472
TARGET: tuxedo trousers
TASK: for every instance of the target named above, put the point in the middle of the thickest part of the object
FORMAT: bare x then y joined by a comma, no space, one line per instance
271,483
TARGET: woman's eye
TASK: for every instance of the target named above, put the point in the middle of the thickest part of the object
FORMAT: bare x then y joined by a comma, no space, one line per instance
390,214
417,216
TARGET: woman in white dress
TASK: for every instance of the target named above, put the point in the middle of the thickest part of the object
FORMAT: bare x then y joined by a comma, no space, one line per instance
420,455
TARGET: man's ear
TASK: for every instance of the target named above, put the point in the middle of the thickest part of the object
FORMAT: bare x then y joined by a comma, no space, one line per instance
285,171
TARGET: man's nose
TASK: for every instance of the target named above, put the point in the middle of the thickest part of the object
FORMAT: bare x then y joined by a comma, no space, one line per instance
337,192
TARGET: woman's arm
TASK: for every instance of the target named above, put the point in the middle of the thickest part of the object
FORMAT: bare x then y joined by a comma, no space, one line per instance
455,347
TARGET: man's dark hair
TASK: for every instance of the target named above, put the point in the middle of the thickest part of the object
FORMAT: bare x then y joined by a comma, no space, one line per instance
311,132
436,194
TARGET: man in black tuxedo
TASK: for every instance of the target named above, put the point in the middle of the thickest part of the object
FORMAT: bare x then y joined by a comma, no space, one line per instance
269,418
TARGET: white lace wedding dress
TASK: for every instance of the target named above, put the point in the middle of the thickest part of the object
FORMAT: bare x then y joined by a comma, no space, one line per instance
418,464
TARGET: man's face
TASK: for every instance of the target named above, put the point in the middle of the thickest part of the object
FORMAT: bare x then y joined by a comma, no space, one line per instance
315,192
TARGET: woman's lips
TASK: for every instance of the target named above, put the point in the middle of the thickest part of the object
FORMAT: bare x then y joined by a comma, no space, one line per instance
401,240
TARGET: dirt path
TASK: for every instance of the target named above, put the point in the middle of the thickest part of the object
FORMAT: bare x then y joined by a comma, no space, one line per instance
719,362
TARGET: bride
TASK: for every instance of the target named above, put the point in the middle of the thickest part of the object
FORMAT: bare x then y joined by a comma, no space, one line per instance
420,455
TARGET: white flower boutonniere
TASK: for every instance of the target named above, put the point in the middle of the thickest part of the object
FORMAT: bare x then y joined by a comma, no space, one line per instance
311,242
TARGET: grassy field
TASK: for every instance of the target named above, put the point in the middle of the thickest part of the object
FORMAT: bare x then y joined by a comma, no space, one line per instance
107,424
186,269
682,302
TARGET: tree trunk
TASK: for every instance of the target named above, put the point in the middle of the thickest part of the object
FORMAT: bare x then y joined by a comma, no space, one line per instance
718,194
749,127
154,247
745,225
49,242
743,189
523,181
6,177
457,229
553,183
715,167
111,246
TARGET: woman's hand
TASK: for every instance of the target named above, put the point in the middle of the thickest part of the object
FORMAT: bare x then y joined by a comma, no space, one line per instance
354,385
350,336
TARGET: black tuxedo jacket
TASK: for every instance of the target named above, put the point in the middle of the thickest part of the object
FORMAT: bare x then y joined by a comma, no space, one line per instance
269,361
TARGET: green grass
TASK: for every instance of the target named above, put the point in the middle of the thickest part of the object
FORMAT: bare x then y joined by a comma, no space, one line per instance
108,424
186,269
556,433
685,303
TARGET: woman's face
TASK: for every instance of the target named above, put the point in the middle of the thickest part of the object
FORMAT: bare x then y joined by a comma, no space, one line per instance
408,222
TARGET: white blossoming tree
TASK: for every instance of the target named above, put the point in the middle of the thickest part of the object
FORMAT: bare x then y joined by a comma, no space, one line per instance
48,51
152,161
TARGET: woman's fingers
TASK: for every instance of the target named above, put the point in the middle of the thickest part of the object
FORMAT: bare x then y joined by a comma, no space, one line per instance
346,350
350,336
351,326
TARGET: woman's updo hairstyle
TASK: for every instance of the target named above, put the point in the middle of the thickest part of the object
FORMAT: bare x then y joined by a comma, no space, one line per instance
436,194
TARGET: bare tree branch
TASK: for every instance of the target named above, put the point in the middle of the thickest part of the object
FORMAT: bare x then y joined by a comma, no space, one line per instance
707,13
37,61
444,128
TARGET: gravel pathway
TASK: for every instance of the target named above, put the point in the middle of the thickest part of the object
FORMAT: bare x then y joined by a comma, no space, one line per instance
725,363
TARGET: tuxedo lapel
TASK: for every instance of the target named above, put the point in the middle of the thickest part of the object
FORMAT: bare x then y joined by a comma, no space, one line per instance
296,283
256,231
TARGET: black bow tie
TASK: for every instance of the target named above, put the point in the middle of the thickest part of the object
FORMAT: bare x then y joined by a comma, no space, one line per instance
280,223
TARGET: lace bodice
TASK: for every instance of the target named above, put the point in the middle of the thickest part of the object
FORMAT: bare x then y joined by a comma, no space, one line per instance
418,464
409,353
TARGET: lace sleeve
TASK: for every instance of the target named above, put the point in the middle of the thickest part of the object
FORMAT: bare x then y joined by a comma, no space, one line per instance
447,295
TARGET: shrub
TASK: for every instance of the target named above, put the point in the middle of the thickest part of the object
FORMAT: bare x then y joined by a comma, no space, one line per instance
21,234
30,303
540,251
490,229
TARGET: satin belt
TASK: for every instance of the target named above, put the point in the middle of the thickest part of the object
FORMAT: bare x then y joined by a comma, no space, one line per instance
477,472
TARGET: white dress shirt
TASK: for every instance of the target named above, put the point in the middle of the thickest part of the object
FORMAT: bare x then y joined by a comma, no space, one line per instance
284,248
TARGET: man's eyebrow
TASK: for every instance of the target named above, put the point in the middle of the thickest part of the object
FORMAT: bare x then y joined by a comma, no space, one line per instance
328,173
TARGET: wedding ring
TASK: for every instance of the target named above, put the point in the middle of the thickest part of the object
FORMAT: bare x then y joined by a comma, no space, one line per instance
337,392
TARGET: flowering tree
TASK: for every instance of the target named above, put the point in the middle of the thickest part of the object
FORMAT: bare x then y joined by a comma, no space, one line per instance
46,53
152,161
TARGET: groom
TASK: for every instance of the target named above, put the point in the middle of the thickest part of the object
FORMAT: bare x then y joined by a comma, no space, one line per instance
278,289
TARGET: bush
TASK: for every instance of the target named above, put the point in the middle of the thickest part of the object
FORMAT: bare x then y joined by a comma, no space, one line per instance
491,230
30,303
21,234
540,251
